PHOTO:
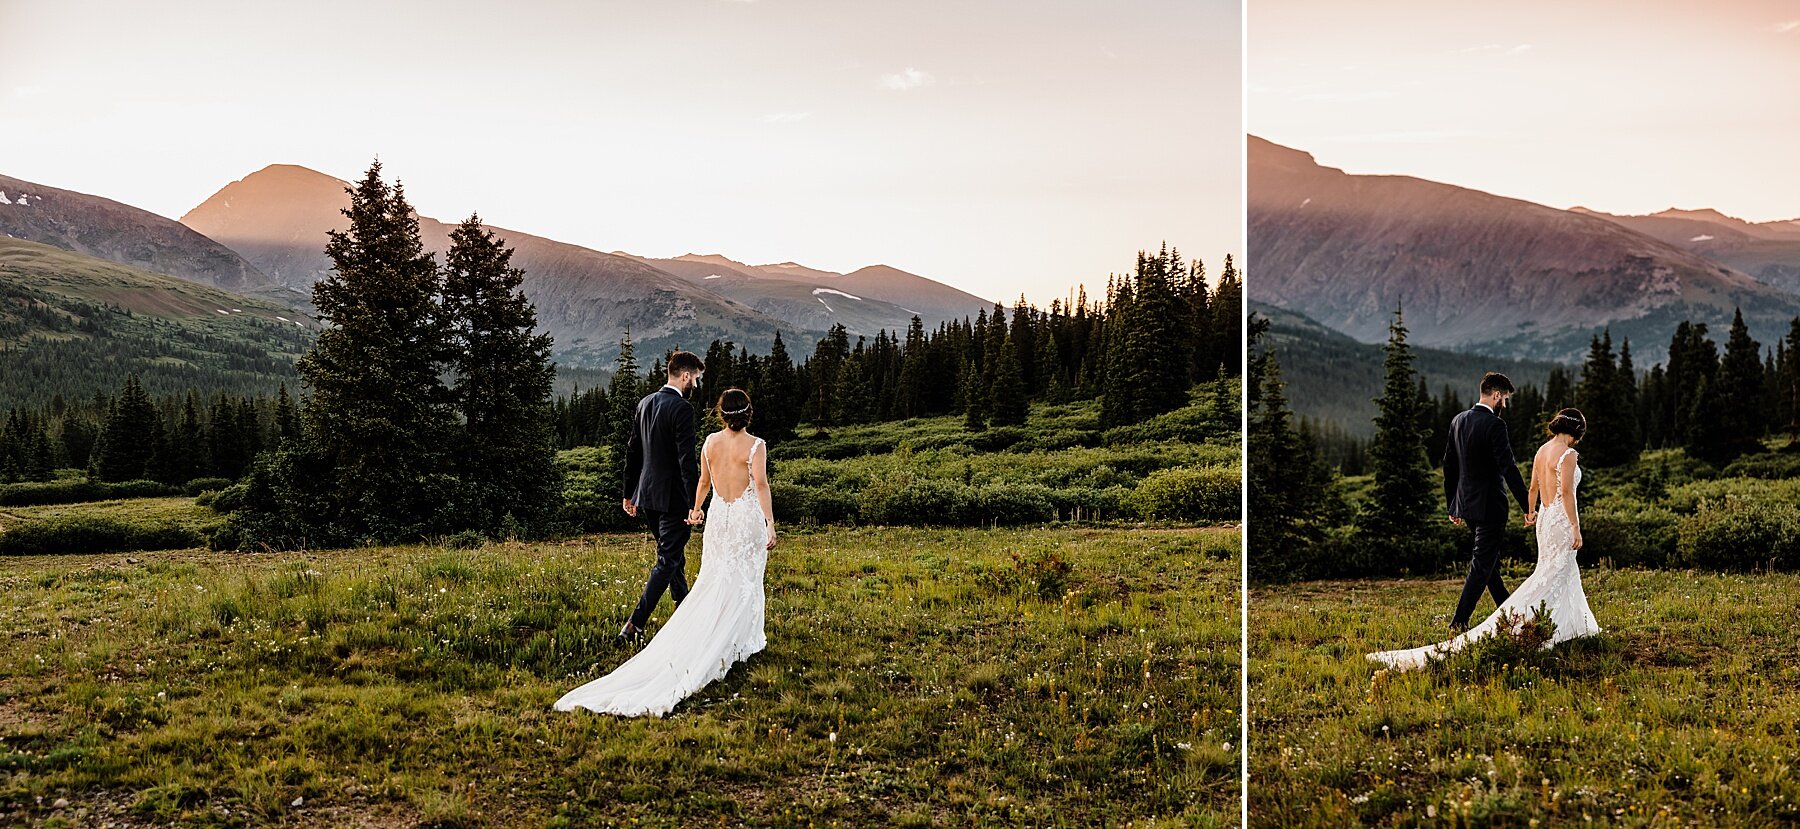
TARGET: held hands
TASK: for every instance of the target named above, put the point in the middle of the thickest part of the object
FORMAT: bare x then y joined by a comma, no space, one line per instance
1530,518
696,516
630,508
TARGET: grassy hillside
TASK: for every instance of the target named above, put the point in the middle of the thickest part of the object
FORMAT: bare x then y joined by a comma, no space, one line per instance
1682,713
74,325
913,677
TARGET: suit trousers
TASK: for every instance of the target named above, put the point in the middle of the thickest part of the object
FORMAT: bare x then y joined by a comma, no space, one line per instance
671,532
1484,570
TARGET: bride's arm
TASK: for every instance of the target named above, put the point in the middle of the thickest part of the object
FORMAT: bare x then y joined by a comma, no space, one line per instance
761,473
697,514
1567,473
1532,498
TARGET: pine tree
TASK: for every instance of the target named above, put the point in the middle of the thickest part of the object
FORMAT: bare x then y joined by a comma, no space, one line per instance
1740,403
622,394
1400,506
507,460
1600,395
974,399
378,411
1632,424
1228,319
778,401
1006,397
287,417
129,437
1288,482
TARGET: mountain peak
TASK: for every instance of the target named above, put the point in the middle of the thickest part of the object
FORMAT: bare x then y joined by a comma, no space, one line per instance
1262,151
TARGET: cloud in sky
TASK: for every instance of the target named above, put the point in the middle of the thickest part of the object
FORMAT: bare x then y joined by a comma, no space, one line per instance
1519,49
1786,26
785,117
907,79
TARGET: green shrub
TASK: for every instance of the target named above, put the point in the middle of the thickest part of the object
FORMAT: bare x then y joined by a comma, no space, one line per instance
1741,535
1644,537
1012,504
915,501
1207,493
1092,503
92,534
1768,465
197,486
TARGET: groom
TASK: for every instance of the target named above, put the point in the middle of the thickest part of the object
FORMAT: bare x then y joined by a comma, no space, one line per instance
661,471
1477,457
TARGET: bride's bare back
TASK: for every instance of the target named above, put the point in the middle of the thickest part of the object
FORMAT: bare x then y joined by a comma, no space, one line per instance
1546,471
728,462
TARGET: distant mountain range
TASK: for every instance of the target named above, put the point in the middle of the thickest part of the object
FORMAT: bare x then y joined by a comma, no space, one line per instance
1767,251
264,237
105,229
1481,273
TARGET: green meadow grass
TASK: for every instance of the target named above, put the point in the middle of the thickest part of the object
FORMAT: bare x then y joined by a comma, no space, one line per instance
1043,677
1682,713
178,510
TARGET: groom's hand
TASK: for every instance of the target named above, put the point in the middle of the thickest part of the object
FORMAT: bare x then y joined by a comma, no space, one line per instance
696,516
630,508
1455,520
1530,518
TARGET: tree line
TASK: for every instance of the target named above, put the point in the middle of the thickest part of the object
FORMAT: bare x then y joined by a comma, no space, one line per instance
129,436
1159,331
1716,405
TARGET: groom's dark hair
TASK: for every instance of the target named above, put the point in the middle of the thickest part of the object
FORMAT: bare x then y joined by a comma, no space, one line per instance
681,361
1492,382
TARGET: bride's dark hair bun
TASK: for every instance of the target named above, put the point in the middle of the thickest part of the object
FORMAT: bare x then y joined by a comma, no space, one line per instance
1569,422
735,409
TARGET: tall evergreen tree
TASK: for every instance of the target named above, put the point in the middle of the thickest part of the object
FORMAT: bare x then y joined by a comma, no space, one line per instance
1738,419
1401,505
129,437
378,411
1006,396
502,369
1601,396
778,401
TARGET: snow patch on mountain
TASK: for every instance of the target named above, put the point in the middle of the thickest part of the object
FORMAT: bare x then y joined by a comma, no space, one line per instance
817,291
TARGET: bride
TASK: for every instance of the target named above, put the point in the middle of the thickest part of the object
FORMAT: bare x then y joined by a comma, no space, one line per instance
1556,582
720,623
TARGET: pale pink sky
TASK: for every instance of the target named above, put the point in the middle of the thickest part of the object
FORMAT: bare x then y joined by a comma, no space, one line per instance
1003,147
1618,105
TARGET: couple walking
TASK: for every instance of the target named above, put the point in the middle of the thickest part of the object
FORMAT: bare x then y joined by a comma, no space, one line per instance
720,621
1479,472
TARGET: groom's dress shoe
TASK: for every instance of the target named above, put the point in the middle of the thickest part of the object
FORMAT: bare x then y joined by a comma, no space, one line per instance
630,634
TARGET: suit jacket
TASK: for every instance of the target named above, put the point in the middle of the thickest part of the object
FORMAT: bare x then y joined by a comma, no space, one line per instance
1479,467
661,465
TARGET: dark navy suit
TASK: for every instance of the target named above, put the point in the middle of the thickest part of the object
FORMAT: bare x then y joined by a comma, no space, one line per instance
1478,469
661,471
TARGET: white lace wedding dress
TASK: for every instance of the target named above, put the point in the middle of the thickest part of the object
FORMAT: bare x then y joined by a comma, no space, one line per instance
1555,583
718,625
